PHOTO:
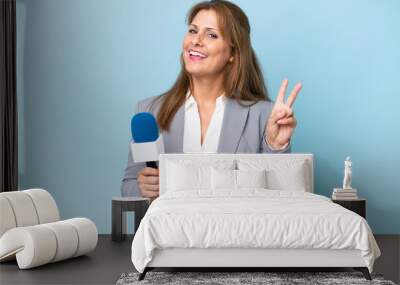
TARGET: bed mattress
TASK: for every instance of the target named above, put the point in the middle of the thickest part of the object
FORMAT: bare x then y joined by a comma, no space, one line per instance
250,219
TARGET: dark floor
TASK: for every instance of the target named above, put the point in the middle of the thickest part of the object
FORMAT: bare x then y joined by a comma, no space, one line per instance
111,259
102,266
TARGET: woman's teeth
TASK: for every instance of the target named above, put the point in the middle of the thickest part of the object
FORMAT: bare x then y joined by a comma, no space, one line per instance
195,53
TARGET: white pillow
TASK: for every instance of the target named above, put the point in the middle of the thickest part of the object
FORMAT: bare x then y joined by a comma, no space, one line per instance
193,175
229,179
292,178
251,178
281,174
181,177
223,179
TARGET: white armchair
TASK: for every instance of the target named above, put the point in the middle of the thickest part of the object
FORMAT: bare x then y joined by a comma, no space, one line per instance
32,233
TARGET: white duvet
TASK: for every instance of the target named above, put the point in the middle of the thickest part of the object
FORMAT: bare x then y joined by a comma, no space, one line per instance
250,219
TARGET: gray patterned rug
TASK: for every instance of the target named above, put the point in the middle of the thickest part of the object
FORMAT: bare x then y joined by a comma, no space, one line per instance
270,278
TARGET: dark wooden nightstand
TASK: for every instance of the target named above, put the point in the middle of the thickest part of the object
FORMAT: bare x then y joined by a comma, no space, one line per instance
358,206
121,205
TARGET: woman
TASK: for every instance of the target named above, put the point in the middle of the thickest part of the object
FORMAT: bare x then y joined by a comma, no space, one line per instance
219,102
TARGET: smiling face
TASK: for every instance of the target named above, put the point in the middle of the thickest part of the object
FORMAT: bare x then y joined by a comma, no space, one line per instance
205,52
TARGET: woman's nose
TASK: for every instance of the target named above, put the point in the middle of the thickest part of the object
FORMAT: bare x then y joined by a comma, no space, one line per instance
196,40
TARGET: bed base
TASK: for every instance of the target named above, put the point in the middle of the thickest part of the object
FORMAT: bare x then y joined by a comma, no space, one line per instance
364,270
244,259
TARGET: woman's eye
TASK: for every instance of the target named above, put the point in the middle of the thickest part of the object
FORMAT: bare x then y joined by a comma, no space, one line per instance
211,35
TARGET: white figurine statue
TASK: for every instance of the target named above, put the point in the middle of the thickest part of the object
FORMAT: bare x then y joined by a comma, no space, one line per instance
347,174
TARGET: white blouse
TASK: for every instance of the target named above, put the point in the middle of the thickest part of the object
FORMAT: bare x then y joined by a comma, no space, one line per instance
192,128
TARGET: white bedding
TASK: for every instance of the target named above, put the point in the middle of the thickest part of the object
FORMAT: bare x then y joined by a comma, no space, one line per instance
251,218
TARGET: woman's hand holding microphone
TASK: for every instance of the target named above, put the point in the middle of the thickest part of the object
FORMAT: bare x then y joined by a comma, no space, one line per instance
281,122
148,182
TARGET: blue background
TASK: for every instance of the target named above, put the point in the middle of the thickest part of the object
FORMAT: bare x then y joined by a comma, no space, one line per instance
83,65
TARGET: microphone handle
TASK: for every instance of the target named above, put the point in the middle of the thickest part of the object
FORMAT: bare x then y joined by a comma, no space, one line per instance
151,164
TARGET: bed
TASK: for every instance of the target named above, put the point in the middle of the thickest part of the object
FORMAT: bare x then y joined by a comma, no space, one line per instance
247,210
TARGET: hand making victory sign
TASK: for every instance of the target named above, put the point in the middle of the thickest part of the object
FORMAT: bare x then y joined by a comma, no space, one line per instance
281,123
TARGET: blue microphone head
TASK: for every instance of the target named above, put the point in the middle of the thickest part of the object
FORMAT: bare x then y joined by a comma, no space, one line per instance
144,127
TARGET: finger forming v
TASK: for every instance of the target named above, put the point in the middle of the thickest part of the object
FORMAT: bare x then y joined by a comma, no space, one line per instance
282,91
293,95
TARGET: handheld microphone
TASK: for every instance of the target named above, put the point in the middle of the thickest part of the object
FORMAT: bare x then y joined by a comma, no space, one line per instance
146,143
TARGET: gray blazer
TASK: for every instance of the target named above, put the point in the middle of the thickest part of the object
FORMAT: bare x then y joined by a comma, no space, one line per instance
242,132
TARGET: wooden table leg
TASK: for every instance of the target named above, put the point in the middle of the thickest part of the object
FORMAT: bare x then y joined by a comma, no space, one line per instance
118,222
